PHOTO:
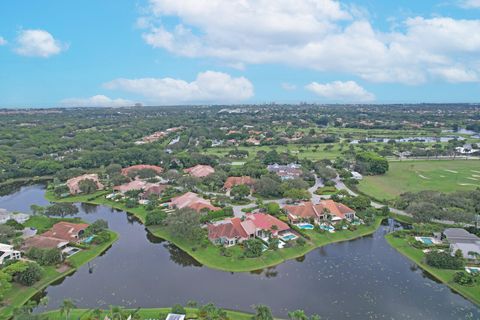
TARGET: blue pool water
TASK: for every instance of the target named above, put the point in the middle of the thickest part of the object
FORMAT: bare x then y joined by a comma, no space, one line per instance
327,228
306,226
88,240
288,237
427,240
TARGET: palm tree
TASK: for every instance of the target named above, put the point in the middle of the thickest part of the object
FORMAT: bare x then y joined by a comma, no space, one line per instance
66,308
297,315
474,254
262,313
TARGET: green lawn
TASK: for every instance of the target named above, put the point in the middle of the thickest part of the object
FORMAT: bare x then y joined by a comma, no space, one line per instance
210,256
445,276
307,152
414,176
19,295
147,313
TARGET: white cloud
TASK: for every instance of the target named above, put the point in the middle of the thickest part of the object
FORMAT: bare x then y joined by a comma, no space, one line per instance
208,87
317,34
2,41
348,91
288,86
96,101
38,43
456,74
470,4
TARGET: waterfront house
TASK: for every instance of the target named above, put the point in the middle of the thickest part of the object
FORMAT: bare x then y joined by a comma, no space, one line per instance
227,232
461,239
193,201
67,231
73,183
323,211
7,253
42,242
261,225
231,231
200,171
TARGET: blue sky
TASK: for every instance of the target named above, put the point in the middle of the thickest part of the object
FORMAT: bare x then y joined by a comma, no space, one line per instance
117,52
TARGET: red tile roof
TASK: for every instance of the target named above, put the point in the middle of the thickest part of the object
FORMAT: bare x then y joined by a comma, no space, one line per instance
229,228
266,222
309,210
126,171
200,170
73,183
43,242
66,231
193,201
235,181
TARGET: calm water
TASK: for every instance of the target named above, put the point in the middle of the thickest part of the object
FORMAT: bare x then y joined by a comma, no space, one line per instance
360,279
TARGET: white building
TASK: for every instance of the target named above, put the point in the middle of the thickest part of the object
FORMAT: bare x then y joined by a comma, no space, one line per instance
8,253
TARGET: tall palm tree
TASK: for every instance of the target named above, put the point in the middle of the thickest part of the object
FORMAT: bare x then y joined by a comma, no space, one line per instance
66,308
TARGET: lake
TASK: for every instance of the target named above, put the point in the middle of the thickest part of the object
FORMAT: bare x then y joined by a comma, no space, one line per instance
359,279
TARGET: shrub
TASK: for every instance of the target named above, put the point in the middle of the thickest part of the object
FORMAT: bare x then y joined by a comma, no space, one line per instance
444,260
30,275
464,278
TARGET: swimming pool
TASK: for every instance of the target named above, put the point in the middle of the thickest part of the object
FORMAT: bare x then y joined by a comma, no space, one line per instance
305,226
88,240
327,228
288,237
427,240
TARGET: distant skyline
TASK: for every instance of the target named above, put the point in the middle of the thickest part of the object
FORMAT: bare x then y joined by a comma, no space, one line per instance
164,52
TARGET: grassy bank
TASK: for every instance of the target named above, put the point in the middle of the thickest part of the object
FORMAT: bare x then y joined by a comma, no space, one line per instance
414,176
210,256
147,313
19,295
445,276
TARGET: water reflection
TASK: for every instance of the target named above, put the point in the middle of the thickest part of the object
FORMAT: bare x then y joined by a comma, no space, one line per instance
360,279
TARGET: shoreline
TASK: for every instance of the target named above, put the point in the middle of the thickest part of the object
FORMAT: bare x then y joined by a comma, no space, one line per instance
210,256
16,292
145,313
443,275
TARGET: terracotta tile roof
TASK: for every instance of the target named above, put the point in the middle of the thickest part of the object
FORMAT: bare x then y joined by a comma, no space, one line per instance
73,186
200,170
305,210
66,231
43,242
154,189
126,171
228,228
235,181
308,210
266,222
132,185
193,201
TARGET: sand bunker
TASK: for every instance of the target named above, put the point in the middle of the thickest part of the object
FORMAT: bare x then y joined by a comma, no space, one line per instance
475,171
467,184
452,171
469,178
423,177
475,176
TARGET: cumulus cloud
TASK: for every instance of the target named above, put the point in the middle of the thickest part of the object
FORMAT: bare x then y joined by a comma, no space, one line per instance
348,91
288,86
96,101
38,43
470,4
322,35
2,41
208,87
